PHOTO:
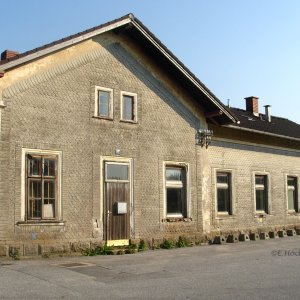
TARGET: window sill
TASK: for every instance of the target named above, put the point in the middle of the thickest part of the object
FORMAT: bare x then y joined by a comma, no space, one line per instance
260,214
103,118
176,219
293,213
128,121
40,223
224,215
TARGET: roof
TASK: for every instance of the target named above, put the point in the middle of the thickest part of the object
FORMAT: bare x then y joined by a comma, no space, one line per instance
130,26
280,127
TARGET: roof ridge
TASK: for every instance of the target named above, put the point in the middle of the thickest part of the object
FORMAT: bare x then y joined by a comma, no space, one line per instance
56,42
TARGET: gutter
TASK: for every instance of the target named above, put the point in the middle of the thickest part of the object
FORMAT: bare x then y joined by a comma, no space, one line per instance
263,132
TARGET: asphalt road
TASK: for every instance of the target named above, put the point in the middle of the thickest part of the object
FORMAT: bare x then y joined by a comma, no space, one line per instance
250,270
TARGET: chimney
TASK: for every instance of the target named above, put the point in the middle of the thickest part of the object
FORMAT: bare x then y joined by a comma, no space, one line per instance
268,113
252,105
8,54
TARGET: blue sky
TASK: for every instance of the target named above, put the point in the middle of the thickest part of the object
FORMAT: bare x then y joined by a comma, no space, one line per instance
237,48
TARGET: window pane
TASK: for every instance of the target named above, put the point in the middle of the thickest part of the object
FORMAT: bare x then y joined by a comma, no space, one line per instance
35,190
260,200
35,200
34,165
223,200
49,167
117,172
128,108
173,174
260,179
291,199
223,178
104,103
291,181
174,201
49,199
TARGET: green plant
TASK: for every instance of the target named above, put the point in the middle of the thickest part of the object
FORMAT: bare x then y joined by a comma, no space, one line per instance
45,255
105,250
181,243
167,244
142,246
14,253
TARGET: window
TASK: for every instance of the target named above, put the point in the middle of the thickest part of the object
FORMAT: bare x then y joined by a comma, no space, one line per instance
41,186
104,103
292,193
224,192
261,193
176,199
128,107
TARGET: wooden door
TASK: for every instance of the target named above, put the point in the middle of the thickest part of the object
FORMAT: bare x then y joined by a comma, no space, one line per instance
117,201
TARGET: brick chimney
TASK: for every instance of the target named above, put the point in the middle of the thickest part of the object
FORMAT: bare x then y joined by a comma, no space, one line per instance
252,105
8,54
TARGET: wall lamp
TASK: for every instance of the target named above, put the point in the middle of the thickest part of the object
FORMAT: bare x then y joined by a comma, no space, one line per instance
203,137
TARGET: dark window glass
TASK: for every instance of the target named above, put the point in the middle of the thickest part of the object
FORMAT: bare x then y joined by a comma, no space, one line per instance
104,103
224,192
292,193
176,191
223,178
35,199
35,165
261,192
260,179
128,108
174,201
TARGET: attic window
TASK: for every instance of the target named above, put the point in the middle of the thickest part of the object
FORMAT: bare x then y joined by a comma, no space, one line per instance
129,107
103,102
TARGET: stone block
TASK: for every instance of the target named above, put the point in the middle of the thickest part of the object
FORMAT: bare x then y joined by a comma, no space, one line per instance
297,231
282,233
291,232
264,236
254,236
54,249
273,235
243,237
3,250
219,239
232,238
80,246
31,250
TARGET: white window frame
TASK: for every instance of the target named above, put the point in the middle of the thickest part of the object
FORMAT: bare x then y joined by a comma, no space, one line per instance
287,193
182,165
261,186
25,152
135,103
223,185
111,102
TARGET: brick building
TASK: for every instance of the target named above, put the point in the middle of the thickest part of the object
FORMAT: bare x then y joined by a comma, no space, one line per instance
104,137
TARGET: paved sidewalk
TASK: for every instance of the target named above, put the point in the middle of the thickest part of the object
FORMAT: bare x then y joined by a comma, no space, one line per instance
252,270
